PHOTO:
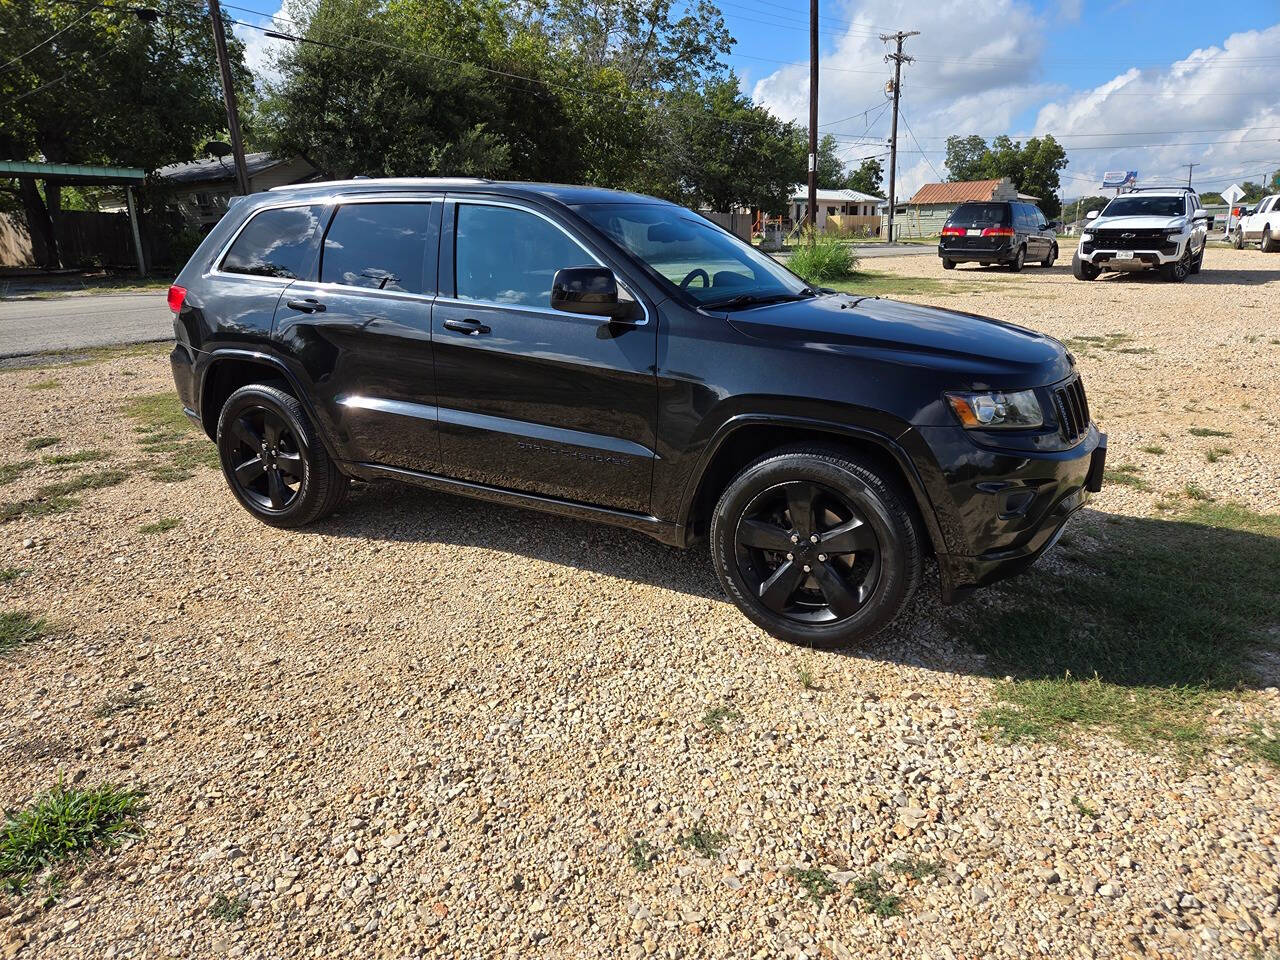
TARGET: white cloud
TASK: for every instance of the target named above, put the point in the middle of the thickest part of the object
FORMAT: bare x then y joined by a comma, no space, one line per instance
259,49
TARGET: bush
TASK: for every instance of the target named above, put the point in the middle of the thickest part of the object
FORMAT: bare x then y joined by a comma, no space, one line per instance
823,259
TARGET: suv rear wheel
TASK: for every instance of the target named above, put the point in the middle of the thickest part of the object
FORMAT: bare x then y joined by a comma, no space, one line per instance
1019,259
1049,257
273,460
815,546
1269,245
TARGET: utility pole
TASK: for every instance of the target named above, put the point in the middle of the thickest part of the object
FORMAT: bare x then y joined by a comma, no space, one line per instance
813,118
1190,167
229,97
898,58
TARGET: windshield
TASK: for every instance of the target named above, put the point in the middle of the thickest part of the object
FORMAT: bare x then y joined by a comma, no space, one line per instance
707,263
1139,206
979,215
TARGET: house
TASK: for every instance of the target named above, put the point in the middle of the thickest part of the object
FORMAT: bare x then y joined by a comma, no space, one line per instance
852,209
925,214
200,189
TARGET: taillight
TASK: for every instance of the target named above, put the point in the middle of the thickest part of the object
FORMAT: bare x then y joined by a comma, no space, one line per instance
953,231
998,232
177,295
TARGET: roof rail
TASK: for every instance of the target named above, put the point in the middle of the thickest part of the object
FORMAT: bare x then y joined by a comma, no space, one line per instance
1171,186
387,181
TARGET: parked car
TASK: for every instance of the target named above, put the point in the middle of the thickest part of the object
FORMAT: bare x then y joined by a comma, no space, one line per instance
1161,229
998,231
1261,226
612,357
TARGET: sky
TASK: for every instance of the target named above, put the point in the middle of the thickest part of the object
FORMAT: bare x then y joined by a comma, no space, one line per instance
1146,85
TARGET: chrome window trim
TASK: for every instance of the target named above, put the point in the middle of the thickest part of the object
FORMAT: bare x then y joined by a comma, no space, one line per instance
460,200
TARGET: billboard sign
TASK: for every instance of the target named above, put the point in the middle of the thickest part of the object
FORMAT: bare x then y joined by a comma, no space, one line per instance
1119,179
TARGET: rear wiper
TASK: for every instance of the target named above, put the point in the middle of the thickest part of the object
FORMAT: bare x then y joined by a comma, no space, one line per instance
758,299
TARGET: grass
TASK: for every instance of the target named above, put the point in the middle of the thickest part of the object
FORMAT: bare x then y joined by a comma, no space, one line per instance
1197,492
815,882
17,628
36,507
875,899
1084,809
39,443
1140,638
705,843
119,703
12,471
160,526
48,384
1109,342
167,434
1125,474
1153,448
822,259
641,855
65,824
873,283
56,497
1263,743
1214,454
804,677
80,456
916,868
716,717
10,574
1208,432
228,909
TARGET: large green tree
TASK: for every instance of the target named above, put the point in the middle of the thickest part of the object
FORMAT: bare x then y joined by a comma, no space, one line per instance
108,87
868,178
1034,167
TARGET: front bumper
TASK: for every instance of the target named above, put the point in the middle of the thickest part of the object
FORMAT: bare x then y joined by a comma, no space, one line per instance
1110,258
1000,510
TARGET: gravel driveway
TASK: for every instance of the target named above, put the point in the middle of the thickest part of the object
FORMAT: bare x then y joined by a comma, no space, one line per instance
432,727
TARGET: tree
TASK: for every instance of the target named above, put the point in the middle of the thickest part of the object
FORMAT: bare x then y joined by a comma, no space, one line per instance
831,175
1034,167
966,157
868,178
110,88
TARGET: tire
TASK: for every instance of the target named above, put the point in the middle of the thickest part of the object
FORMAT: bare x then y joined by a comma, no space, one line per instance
1017,263
948,264
300,483
1237,239
849,594
1198,261
1083,269
1051,256
1269,245
1179,270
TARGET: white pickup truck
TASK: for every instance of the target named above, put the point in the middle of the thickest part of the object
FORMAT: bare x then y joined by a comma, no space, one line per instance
1261,226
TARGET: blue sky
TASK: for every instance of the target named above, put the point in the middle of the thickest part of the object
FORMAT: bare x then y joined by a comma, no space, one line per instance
1124,84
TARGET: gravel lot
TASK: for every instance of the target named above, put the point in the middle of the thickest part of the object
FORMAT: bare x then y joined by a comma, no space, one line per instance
432,727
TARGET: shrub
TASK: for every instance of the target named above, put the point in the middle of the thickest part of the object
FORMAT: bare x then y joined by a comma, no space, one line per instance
823,259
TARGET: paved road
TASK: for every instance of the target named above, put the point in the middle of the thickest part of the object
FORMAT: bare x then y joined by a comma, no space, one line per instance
36,326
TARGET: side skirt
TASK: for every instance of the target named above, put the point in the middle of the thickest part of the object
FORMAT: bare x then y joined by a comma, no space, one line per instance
663,531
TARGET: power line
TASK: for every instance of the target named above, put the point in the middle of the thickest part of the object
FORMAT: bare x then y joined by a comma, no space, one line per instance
50,38
917,143
57,80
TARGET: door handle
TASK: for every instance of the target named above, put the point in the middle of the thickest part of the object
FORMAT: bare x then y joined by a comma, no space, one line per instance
468,326
309,305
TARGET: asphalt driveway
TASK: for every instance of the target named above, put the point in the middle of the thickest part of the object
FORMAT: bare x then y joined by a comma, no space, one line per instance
68,323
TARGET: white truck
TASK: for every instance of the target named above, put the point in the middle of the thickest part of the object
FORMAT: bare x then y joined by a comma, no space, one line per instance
1261,226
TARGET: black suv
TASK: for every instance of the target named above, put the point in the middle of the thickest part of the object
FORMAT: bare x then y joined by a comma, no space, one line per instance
613,357
998,231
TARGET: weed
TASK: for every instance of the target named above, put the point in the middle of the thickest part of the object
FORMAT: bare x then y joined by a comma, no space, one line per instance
1214,454
17,628
10,574
228,909
916,868
1153,448
39,443
85,481
1126,474
1263,743
120,703
641,855
870,891
49,384
80,456
1208,432
165,432
12,471
705,843
815,881
804,676
1196,492
820,258
160,526
1084,809
37,508
715,717
65,824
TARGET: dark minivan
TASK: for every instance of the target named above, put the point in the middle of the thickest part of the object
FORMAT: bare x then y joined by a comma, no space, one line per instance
617,358
998,231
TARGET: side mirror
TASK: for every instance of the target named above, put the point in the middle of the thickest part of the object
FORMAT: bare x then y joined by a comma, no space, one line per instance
1054,225
592,291
1201,214
1091,214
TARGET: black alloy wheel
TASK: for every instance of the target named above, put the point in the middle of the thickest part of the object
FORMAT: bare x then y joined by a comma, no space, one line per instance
267,458
1019,260
1180,269
807,552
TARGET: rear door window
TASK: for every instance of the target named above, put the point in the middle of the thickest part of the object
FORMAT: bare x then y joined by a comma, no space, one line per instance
381,246
276,243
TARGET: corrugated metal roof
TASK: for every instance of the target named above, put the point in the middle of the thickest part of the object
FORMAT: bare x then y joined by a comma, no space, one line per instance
71,172
958,192
800,194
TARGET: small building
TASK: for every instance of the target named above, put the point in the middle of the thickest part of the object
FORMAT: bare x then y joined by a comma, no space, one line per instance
925,214
844,210
200,189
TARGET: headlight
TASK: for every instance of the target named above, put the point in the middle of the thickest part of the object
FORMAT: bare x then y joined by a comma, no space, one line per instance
1172,231
990,411
1086,237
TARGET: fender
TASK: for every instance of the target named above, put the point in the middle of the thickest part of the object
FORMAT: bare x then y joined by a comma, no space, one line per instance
889,444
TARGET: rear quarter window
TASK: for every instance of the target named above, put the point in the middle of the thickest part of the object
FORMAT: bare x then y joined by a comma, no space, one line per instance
279,242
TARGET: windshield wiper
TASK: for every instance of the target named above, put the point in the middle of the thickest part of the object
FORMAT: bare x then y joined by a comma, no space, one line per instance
758,299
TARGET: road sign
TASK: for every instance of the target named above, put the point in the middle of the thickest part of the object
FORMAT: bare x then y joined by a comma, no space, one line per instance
1232,194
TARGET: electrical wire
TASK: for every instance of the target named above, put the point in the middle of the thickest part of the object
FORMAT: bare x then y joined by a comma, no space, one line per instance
50,38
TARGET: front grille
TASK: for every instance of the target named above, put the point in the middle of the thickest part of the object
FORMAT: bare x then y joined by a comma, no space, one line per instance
1133,240
1072,409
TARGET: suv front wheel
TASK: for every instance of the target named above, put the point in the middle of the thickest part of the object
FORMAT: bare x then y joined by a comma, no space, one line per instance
815,546
273,460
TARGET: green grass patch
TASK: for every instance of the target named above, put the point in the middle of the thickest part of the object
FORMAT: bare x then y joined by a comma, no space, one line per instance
1153,448
873,283
94,480
704,842
804,677
1139,638
1126,475
1197,492
641,855
870,890
176,446
38,507
815,882
80,456
160,526
822,259
1214,454
1108,342
48,384
17,628
10,574
12,471
39,443
228,909
916,868
1263,743
1084,809
1208,432
716,717
65,824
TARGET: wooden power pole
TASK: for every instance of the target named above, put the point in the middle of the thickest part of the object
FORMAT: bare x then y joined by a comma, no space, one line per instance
813,117
898,58
229,97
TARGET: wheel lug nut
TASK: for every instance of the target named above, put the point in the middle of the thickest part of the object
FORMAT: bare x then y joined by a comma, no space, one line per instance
791,556
806,568
813,538
822,558
795,538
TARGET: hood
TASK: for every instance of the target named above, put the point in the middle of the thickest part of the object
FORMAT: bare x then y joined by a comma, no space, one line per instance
1134,223
981,351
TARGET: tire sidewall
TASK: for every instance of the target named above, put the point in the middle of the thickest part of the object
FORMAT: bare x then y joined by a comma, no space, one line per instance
895,577
304,504
1020,258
